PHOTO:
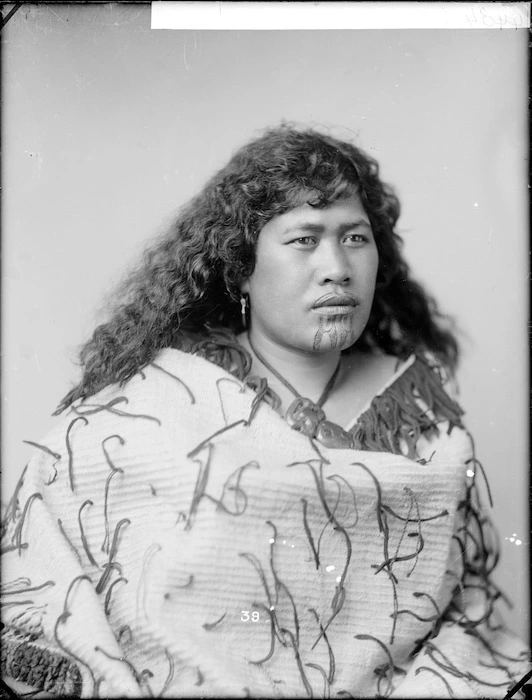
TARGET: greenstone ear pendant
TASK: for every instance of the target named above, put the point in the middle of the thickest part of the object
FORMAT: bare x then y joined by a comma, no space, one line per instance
244,298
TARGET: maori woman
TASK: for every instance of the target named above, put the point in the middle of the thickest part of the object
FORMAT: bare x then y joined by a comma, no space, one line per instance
263,485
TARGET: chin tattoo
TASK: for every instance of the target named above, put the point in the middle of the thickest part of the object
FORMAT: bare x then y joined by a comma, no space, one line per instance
333,332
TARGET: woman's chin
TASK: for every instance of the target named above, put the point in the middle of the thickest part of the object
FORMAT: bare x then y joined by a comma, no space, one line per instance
338,339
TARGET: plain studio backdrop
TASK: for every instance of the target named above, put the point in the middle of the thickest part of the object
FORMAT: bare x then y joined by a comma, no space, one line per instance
110,126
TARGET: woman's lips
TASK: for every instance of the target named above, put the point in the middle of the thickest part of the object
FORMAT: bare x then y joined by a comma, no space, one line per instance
335,304
340,310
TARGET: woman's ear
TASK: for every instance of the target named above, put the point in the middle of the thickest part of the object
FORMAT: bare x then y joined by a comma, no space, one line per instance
244,286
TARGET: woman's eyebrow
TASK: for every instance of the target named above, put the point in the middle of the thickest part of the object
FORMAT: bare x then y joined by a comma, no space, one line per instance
305,226
310,227
354,224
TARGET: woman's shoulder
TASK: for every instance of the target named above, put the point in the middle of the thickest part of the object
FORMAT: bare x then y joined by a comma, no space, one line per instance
168,381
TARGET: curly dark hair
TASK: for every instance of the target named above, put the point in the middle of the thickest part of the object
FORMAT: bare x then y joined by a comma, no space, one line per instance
187,284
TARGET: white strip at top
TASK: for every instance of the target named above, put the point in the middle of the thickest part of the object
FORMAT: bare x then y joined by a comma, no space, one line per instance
340,15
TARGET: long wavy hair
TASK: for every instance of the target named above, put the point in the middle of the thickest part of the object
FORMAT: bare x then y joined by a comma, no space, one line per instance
187,284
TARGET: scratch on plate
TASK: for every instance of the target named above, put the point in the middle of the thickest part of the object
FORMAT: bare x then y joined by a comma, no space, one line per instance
59,18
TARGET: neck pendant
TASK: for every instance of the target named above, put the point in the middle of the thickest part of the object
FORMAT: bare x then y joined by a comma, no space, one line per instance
308,417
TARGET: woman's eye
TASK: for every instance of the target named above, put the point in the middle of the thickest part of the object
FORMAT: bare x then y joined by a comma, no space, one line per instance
304,241
355,239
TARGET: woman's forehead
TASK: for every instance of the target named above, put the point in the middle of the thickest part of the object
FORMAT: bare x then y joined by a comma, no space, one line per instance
344,210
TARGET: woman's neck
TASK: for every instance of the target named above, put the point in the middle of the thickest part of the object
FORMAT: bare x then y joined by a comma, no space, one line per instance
307,372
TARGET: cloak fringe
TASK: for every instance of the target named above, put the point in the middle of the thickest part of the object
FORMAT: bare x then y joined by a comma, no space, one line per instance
414,404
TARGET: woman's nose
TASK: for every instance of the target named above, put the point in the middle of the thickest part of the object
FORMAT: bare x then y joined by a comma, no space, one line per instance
333,264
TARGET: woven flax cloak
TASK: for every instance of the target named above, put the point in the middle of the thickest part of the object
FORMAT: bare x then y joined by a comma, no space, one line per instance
175,537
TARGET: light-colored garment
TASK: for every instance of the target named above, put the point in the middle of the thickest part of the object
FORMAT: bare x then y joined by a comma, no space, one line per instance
175,537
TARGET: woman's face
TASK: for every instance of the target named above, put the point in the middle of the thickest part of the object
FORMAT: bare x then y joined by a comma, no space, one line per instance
314,279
